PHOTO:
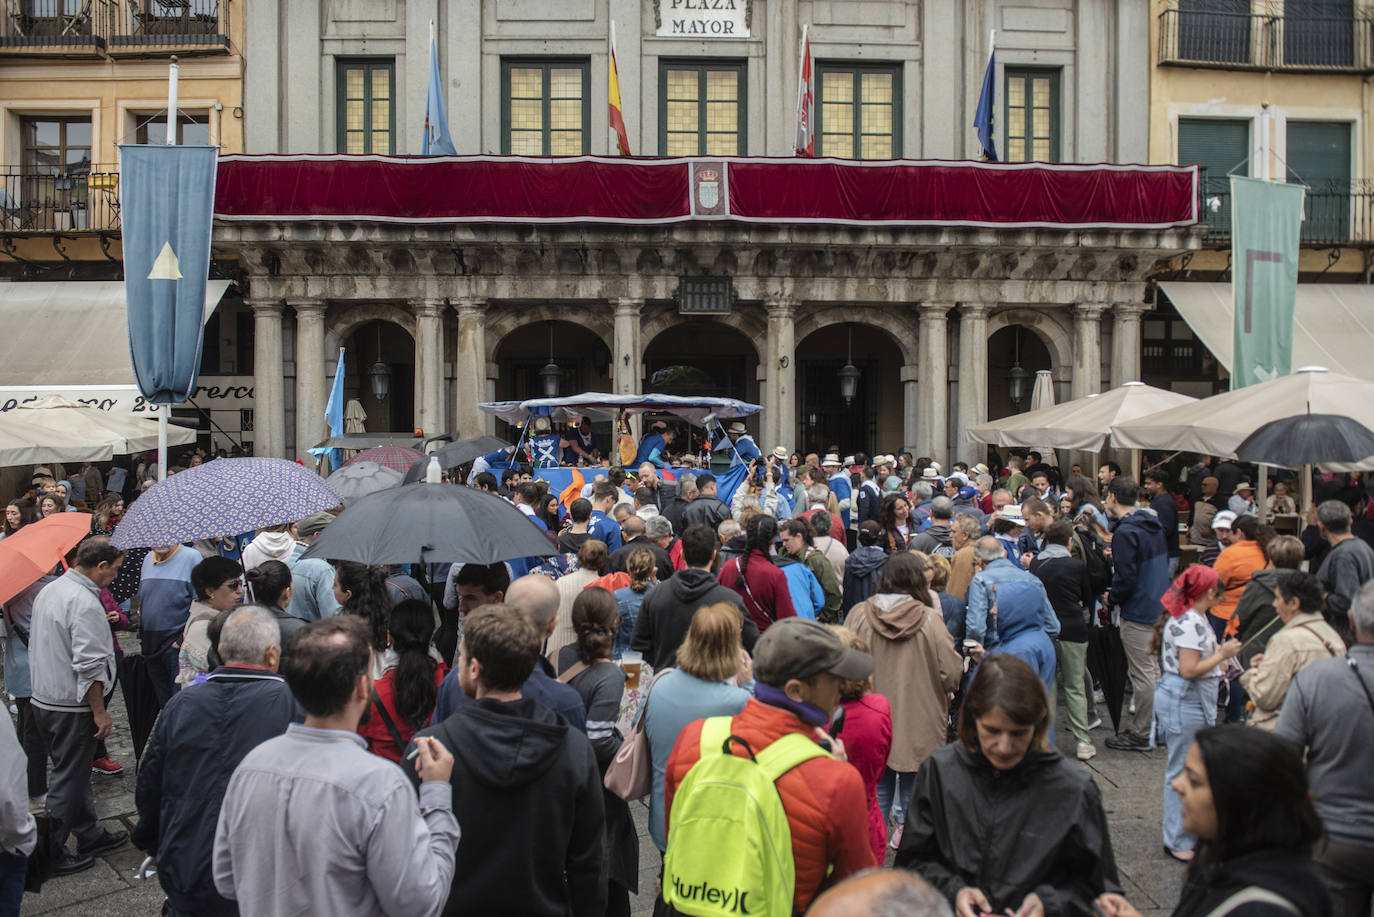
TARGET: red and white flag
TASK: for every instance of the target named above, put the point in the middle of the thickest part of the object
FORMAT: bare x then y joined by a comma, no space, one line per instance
806,102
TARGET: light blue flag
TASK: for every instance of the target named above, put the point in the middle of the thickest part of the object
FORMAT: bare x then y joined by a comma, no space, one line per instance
437,141
334,414
166,199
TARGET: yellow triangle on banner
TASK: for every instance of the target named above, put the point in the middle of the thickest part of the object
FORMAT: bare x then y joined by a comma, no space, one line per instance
165,266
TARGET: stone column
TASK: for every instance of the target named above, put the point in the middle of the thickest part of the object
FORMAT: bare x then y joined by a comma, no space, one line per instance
269,408
973,377
470,369
429,365
626,357
911,392
310,375
1126,342
780,392
932,402
1087,349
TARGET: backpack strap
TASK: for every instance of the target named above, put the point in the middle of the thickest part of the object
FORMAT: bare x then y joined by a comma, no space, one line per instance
788,752
388,722
715,732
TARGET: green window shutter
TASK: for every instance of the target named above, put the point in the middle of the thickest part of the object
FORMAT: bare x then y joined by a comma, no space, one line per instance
1319,157
1221,147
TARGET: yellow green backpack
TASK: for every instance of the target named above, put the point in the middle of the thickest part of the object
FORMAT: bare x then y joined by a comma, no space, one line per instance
729,844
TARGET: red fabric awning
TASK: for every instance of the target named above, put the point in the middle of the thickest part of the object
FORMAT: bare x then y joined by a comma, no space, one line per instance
589,189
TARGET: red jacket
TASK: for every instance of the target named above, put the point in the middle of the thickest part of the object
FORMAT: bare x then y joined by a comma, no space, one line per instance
867,737
374,731
767,597
824,799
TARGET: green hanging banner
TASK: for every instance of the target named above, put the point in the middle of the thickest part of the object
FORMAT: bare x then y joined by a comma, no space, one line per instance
1266,220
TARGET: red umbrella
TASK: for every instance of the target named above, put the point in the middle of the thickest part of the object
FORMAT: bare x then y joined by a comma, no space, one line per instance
37,548
398,458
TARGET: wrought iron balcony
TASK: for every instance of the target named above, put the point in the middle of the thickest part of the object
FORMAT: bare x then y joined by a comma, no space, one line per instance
1243,41
75,28
1335,212
83,199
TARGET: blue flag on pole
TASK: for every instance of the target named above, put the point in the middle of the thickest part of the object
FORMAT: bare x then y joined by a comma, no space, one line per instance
166,199
985,118
437,141
334,411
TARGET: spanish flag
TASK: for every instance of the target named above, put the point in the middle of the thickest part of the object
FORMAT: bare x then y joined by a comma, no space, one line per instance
617,116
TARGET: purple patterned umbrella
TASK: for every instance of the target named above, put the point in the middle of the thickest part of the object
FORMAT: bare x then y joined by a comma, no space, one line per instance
223,497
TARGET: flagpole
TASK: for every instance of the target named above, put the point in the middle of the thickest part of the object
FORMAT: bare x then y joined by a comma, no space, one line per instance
163,410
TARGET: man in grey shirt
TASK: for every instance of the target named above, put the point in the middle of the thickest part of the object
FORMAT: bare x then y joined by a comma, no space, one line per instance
1350,562
313,824
1329,711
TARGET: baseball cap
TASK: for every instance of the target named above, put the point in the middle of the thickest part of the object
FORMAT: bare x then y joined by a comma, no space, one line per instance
1223,519
800,648
967,493
313,524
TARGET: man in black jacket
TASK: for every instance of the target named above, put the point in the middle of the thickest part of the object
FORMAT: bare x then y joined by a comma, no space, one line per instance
668,608
1070,591
201,736
707,509
637,537
526,788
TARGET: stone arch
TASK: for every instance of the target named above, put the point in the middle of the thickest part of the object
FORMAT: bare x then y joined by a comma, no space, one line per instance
892,324
341,322
1049,327
502,321
754,328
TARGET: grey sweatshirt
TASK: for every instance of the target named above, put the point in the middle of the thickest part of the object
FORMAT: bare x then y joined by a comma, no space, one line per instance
313,824
69,644
1327,712
18,833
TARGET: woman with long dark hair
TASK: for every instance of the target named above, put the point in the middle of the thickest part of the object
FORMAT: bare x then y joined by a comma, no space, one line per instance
403,698
18,513
586,667
1047,848
895,517
762,586
1083,494
361,590
1244,794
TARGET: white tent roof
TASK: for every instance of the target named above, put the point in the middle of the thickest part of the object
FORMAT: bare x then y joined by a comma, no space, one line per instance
53,429
1083,423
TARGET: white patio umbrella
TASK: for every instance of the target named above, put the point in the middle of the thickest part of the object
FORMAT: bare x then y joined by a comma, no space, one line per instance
54,429
1042,397
1083,423
1216,425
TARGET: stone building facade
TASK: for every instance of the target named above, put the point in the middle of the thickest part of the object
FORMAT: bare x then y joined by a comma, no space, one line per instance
934,317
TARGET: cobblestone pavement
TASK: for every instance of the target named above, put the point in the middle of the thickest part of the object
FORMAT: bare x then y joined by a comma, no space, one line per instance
1131,784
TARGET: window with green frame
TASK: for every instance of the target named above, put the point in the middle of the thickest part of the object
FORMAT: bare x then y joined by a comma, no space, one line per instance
859,110
366,115
546,108
1032,115
701,108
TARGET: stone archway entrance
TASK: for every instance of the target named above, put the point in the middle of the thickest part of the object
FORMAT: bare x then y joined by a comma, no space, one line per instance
391,345
873,422
703,358
1004,347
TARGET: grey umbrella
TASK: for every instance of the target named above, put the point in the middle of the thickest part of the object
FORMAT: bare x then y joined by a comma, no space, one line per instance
455,454
353,482
430,523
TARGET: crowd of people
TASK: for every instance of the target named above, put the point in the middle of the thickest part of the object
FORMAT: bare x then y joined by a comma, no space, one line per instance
880,640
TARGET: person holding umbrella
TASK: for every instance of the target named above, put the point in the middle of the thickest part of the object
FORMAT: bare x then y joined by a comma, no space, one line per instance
1186,698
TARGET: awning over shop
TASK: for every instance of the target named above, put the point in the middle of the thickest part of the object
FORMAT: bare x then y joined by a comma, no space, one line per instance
70,332
1333,324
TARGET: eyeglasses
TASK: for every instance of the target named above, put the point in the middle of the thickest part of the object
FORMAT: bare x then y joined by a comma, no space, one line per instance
233,584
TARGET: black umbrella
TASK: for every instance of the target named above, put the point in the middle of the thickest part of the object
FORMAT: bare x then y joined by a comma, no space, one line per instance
1308,439
1107,660
430,523
140,700
455,454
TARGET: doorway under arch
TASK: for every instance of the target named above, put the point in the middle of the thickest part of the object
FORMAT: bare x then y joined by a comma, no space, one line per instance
873,421
391,345
1006,347
702,358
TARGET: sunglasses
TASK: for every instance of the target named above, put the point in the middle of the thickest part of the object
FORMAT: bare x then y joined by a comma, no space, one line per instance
232,584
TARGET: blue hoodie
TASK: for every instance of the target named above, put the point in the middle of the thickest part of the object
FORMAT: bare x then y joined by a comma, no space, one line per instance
1140,562
1020,625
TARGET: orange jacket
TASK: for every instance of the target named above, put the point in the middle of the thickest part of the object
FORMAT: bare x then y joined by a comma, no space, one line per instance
827,810
1234,565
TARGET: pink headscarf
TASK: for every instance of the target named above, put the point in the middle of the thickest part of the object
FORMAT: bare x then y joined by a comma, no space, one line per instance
1188,587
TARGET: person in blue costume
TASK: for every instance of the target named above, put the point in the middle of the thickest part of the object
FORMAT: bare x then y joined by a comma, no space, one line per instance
746,450
653,446
543,443
580,443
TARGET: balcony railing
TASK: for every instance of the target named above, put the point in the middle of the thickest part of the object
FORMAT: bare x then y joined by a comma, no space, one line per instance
131,27
1335,212
83,199
1242,41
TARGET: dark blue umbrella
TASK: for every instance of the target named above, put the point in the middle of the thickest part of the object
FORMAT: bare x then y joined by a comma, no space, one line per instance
1308,439
431,523
223,497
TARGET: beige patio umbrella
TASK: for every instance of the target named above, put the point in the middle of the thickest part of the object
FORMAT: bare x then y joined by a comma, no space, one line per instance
1042,397
56,429
1083,423
355,418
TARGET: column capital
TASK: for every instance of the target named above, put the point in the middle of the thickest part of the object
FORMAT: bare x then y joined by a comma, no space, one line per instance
625,305
973,310
306,305
265,307
428,307
934,311
1130,310
1088,311
471,306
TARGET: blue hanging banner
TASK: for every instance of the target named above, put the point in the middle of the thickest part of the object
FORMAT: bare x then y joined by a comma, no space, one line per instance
166,201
